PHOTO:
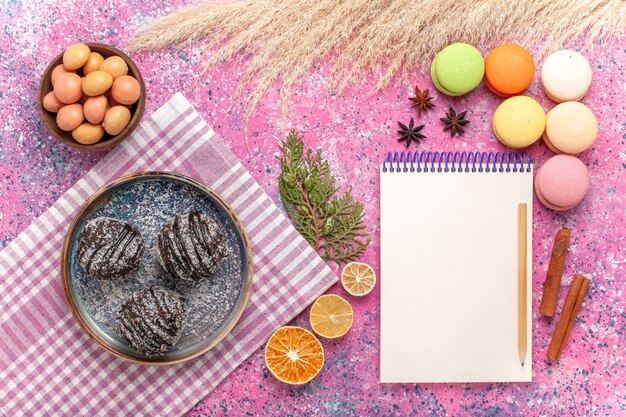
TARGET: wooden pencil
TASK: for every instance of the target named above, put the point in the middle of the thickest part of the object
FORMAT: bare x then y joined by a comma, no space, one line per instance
521,281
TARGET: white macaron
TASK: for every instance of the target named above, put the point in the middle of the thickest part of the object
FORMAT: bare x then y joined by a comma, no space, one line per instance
566,76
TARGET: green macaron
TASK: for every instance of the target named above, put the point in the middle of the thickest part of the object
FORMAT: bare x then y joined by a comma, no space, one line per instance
457,69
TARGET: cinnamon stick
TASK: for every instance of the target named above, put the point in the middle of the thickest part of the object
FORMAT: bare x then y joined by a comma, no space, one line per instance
555,272
575,297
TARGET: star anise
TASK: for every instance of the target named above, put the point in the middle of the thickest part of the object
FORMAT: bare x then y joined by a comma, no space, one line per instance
409,134
421,101
454,122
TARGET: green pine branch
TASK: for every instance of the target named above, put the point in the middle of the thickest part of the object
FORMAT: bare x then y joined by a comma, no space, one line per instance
332,224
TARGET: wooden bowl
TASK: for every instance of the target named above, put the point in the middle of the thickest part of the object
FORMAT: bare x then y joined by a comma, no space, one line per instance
107,141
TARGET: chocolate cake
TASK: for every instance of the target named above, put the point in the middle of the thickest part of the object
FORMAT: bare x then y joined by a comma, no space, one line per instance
192,247
153,319
109,248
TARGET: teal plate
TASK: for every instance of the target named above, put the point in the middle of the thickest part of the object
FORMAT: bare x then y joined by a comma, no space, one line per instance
147,201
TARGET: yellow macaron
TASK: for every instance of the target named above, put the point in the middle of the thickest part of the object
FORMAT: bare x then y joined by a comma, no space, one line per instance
519,122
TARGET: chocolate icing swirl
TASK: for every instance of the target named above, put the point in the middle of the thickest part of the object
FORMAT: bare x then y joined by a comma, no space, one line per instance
153,319
192,247
109,248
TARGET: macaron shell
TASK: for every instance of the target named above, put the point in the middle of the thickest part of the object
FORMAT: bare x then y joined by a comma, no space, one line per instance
550,146
459,68
509,69
562,182
555,99
496,91
519,122
571,128
546,203
566,76
436,82
502,139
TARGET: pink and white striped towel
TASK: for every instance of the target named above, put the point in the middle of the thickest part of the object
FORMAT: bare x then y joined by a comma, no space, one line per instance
48,366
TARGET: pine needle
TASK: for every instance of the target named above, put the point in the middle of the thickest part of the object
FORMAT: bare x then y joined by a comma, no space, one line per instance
332,224
287,38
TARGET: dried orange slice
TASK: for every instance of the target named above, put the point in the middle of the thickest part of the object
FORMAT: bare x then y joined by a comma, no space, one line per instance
294,355
331,316
358,278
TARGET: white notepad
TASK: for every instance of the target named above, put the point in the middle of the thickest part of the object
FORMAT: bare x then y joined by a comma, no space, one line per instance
449,256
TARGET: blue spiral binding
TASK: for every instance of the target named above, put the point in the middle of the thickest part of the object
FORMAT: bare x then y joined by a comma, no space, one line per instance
429,161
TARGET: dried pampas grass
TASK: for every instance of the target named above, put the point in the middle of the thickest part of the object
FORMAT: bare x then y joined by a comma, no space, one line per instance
287,37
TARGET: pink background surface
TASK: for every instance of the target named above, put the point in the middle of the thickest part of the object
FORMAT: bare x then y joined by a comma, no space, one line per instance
354,130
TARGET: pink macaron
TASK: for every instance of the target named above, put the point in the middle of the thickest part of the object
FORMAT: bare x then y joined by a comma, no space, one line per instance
562,182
